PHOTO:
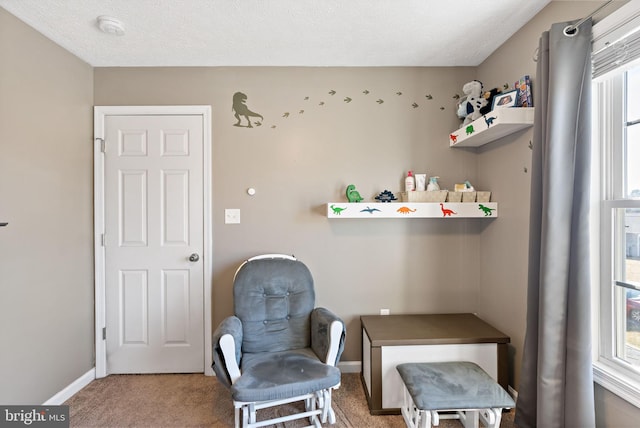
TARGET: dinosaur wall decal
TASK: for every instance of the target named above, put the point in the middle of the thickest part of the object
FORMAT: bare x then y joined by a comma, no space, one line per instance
240,109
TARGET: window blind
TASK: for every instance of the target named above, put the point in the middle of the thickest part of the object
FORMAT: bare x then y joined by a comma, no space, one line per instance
616,40
617,54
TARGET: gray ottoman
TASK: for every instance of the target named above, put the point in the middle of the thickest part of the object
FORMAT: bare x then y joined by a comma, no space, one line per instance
460,387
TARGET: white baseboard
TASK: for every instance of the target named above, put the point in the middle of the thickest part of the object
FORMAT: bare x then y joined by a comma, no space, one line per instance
350,366
72,389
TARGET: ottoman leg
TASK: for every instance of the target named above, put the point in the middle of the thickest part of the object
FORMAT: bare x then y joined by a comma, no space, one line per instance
491,417
468,418
414,417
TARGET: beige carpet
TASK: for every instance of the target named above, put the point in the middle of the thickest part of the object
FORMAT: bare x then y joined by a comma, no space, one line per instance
195,400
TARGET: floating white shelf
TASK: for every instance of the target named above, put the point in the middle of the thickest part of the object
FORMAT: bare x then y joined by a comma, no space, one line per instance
494,125
412,210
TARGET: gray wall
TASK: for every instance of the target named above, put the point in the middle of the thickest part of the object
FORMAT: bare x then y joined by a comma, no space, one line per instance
46,252
296,164
299,163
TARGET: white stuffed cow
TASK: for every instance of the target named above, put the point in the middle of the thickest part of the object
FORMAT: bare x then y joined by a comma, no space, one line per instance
470,105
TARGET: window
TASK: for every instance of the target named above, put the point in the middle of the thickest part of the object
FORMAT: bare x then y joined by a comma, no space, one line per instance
617,136
615,210
626,226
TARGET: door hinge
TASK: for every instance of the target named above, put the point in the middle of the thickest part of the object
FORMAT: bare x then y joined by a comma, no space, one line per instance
102,239
104,333
102,144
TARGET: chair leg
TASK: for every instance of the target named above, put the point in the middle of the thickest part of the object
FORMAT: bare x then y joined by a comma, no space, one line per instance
318,410
310,405
431,418
327,408
252,413
245,416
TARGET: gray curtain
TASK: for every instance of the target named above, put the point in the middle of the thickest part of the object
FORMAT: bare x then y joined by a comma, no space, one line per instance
556,386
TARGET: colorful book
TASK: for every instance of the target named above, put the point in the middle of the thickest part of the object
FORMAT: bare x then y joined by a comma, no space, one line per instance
524,92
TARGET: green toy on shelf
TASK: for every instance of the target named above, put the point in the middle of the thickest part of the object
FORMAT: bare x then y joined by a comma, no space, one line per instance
352,194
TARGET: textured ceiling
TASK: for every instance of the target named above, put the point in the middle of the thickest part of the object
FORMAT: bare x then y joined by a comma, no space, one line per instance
280,32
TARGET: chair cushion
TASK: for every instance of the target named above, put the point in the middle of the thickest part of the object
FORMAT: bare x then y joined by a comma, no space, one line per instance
451,386
280,375
274,298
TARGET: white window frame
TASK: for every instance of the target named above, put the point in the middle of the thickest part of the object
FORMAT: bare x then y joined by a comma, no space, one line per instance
611,372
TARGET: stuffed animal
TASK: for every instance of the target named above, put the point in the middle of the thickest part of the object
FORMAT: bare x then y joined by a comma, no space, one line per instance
472,102
489,95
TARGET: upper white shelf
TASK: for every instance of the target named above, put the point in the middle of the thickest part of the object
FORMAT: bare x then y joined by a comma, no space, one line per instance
412,210
494,125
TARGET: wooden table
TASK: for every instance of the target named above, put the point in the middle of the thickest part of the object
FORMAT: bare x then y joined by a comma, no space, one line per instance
389,340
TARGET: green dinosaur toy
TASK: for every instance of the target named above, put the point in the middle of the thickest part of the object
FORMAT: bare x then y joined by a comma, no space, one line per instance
352,194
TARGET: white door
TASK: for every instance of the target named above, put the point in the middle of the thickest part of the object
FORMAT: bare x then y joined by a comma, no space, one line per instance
153,243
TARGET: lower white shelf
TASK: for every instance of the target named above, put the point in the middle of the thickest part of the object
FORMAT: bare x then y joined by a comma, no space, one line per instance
412,210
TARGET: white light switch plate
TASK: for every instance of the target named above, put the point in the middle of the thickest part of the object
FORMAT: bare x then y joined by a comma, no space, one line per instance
231,216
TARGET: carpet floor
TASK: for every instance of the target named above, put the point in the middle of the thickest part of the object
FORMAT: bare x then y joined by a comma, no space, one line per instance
195,400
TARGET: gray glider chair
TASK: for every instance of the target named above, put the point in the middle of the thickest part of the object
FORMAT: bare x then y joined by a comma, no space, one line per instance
278,348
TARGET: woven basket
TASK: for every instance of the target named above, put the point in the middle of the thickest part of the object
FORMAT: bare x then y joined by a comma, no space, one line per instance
424,196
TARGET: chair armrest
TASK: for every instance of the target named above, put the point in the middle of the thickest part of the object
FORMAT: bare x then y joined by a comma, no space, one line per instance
327,335
227,350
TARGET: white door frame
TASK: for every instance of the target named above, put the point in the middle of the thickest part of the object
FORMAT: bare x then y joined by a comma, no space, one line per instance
100,112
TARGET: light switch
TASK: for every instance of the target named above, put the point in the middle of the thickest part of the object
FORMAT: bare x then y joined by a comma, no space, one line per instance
232,216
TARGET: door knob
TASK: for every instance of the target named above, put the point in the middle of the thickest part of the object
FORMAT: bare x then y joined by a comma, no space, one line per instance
194,257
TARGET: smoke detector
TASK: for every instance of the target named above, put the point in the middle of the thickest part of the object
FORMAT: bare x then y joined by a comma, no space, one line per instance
110,25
